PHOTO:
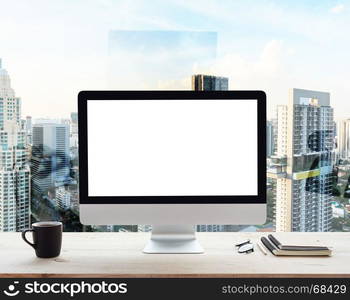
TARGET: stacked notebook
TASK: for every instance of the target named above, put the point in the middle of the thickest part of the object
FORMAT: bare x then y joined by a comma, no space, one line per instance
276,248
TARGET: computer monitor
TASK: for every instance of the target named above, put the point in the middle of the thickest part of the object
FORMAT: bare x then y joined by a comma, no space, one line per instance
172,159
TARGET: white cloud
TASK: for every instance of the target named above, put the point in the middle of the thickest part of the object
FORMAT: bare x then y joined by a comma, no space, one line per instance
274,69
338,8
267,71
277,69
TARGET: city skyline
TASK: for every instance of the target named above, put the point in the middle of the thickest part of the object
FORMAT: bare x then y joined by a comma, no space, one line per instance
302,152
268,45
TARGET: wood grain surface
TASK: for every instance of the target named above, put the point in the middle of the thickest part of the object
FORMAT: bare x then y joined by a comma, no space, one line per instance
120,255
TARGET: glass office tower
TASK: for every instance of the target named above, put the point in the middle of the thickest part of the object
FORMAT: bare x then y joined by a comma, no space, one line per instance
202,82
50,156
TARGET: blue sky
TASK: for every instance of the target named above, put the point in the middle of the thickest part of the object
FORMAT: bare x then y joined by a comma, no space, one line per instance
53,49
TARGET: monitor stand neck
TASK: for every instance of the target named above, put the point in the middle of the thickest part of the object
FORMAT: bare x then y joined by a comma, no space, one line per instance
173,239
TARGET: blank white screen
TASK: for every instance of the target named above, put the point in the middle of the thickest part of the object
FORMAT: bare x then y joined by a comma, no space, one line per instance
172,147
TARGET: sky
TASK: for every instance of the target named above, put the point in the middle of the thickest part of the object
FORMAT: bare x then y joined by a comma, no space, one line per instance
54,49
161,59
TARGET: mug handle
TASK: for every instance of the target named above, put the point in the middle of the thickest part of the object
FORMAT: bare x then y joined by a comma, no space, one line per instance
24,237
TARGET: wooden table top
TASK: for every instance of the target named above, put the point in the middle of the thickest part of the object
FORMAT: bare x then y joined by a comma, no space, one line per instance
120,255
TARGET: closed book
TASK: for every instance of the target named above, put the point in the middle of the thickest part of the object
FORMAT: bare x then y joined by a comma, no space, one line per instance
289,250
294,247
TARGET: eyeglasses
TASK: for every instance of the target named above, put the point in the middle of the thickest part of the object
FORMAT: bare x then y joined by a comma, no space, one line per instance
245,247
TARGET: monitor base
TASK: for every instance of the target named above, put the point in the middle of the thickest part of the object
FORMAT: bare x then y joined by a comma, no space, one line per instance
173,239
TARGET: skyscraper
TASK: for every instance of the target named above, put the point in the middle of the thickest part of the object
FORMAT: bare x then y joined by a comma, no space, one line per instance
50,156
343,139
202,82
304,163
63,198
28,127
270,142
74,130
14,165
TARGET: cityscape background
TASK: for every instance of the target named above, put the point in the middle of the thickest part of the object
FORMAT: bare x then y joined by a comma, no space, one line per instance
308,156
296,52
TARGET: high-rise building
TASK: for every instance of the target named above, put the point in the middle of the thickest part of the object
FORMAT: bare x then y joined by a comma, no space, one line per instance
14,165
50,156
28,128
63,198
343,139
202,82
275,131
303,166
74,130
270,139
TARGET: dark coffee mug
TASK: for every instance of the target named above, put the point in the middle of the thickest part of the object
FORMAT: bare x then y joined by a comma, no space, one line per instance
47,238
